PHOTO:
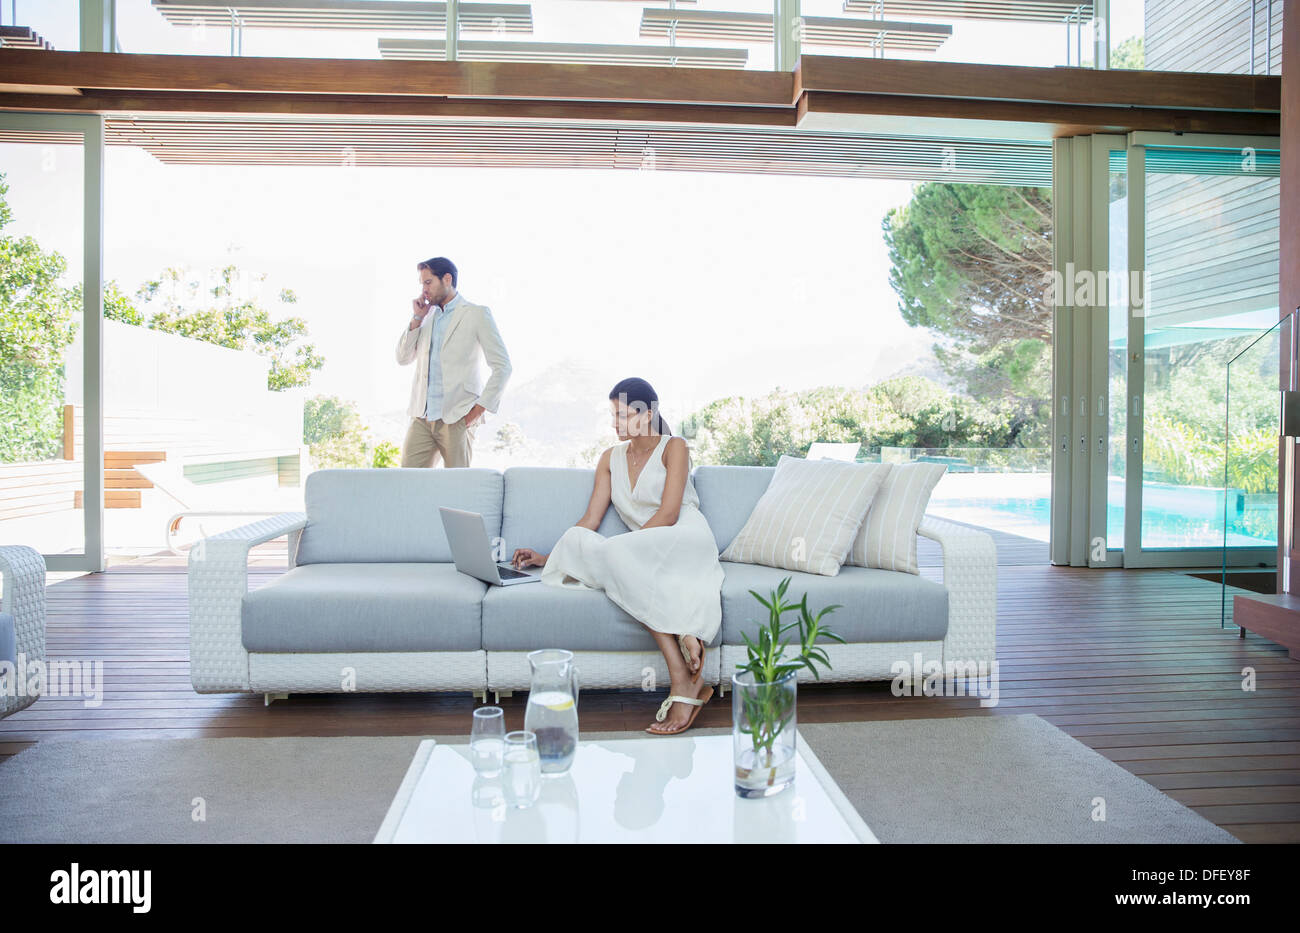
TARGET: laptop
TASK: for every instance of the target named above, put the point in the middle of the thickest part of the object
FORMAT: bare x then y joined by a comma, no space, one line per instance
472,551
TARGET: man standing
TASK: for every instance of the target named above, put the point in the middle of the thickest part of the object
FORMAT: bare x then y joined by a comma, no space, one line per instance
445,335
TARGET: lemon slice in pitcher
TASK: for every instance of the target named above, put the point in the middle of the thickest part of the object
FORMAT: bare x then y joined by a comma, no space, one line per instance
556,701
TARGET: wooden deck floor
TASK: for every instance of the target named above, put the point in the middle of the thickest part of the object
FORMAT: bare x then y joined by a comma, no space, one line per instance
1131,663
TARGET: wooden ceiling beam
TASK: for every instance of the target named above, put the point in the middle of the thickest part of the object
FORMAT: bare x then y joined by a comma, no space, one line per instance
517,80
1042,101
1055,120
1018,83
351,105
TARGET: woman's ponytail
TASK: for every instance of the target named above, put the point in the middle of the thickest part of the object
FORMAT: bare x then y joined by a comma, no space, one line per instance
636,391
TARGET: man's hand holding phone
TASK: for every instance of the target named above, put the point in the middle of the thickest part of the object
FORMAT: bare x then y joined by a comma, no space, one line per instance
420,308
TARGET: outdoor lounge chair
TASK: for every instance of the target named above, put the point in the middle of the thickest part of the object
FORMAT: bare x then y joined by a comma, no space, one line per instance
199,502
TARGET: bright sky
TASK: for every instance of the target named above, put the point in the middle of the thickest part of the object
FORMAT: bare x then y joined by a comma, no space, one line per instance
707,285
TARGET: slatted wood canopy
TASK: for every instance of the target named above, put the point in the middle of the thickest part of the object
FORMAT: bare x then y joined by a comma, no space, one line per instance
347,14
502,18
586,53
526,144
22,37
813,30
1024,11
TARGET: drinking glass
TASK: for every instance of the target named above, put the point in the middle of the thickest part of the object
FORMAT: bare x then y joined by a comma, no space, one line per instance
523,769
487,740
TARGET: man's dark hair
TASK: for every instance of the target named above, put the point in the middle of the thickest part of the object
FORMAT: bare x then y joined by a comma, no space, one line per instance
440,266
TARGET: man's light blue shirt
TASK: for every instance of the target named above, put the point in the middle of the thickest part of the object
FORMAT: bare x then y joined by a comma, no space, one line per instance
433,402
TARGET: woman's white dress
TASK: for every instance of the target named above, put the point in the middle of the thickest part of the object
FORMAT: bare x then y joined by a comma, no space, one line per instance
667,577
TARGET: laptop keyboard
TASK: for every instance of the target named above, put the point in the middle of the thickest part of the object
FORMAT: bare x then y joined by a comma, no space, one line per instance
508,573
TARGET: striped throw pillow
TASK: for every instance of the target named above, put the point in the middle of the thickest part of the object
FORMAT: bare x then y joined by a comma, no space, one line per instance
887,539
809,515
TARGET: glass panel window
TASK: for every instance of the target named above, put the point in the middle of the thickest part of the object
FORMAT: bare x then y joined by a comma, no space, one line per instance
1117,356
42,464
1211,288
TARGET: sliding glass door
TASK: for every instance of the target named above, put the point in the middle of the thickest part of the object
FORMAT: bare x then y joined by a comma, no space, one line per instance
1202,245
51,450
1165,282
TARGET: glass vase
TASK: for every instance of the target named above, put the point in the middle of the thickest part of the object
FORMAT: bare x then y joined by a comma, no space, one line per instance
763,731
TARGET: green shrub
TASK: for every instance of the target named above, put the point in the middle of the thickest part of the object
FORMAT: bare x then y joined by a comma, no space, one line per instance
386,454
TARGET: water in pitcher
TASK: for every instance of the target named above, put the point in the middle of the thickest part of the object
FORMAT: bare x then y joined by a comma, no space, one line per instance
553,716
552,713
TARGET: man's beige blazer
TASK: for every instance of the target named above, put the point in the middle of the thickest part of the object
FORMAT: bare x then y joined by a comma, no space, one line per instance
471,332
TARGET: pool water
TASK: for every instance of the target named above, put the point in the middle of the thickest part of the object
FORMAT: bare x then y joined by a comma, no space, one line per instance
1173,516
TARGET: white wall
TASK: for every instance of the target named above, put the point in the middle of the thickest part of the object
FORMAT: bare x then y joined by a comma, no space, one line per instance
218,392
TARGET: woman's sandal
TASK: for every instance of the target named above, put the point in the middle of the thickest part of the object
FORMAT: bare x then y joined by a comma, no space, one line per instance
686,653
697,702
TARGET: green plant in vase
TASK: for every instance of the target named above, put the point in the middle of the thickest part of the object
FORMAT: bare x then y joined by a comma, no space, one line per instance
764,692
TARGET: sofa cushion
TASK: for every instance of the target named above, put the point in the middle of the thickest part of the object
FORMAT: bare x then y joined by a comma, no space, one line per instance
728,495
538,615
887,539
542,502
8,638
391,515
875,605
809,515
365,607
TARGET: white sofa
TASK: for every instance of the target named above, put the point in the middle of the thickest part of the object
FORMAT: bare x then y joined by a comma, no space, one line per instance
373,603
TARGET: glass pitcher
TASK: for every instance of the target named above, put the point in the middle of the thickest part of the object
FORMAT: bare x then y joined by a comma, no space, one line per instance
552,713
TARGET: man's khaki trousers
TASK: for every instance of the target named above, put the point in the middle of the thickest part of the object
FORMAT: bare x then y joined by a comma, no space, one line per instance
427,441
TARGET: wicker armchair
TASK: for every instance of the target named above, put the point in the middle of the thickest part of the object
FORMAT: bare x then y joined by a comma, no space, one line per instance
22,612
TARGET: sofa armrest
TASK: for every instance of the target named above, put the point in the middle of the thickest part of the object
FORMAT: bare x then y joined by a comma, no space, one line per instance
22,575
23,572
218,580
970,572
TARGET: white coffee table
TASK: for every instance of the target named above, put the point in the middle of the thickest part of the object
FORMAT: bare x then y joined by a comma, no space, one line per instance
655,789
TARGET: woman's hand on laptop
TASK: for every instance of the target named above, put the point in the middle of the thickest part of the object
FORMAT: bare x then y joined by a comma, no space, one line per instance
527,557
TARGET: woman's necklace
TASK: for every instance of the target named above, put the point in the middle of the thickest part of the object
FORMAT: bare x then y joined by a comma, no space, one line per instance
640,459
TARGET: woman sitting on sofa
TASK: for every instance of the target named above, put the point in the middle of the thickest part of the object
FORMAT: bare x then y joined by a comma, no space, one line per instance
665,572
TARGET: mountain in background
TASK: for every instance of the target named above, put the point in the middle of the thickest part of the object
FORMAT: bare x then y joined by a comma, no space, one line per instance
561,412
927,367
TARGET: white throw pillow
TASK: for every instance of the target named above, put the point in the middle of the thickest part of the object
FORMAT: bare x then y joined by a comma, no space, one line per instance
887,539
809,515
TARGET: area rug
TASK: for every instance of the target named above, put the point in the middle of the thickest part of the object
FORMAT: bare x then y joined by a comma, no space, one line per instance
995,779
966,779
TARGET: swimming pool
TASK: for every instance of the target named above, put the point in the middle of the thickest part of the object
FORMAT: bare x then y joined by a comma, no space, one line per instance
1172,516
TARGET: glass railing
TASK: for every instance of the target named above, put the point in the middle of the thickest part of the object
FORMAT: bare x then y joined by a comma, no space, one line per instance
1250,463
1003,489
733,34
973,459
555,31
